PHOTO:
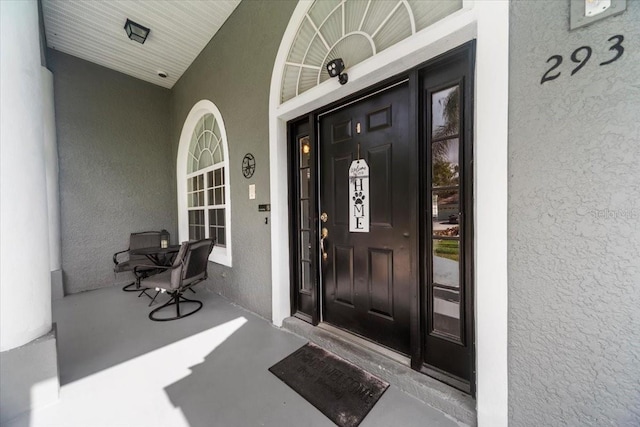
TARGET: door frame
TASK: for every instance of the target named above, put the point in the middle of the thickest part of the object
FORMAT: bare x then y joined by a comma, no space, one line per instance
418,247
488,22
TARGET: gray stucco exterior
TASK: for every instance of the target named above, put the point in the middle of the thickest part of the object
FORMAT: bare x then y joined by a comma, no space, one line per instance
574,221
118,142
574,209
234,72
116,172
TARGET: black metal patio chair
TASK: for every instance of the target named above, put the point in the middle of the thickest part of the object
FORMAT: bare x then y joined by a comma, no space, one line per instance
188,269
126,261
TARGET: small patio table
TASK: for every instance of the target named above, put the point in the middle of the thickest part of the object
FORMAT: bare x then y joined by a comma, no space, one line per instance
158,256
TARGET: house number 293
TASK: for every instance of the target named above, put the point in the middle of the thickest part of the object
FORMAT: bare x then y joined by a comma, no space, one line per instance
581,56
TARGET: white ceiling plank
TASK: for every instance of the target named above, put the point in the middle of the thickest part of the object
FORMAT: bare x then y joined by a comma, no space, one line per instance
94,31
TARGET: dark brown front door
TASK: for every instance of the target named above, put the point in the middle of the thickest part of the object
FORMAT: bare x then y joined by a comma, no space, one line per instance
368,278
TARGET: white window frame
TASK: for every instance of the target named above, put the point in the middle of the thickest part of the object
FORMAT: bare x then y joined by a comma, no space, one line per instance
207,202
220,254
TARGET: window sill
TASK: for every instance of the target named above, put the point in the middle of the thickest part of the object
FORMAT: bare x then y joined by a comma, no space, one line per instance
221,256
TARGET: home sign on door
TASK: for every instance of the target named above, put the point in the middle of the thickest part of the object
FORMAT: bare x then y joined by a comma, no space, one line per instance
359,197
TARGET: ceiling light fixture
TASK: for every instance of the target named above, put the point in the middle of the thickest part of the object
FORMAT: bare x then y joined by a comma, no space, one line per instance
136,32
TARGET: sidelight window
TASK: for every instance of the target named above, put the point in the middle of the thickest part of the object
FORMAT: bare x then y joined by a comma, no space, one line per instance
303,238
305,223
445,208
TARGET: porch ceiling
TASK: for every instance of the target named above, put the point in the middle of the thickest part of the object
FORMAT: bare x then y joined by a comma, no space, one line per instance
94,31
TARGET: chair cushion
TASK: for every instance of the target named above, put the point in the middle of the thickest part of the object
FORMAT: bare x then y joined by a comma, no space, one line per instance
163,280
189,267
160,280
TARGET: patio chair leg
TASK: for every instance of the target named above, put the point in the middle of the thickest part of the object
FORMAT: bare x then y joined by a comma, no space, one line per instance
142,290
131,287
154,298
176,299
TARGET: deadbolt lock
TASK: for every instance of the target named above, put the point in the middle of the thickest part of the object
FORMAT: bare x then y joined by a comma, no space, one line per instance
324,217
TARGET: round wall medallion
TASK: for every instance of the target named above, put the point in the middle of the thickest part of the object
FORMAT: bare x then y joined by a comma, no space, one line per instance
248,165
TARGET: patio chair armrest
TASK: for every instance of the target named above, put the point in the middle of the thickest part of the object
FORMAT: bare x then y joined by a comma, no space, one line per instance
115,256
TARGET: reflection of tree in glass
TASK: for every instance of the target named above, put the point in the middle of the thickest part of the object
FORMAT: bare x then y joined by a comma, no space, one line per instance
443,173
449,114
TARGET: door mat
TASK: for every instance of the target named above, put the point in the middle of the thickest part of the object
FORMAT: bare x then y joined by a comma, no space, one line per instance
339,389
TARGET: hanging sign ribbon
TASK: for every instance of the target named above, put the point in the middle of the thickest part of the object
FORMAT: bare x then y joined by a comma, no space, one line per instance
359,197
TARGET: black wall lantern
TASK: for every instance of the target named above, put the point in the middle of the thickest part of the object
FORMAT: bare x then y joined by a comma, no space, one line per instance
335,68
164,238
136,31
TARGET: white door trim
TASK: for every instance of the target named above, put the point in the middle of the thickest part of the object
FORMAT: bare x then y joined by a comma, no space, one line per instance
488,22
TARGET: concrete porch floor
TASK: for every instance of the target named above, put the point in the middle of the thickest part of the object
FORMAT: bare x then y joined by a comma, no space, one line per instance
118,368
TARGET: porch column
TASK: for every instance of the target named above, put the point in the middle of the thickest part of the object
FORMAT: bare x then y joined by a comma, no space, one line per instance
28,369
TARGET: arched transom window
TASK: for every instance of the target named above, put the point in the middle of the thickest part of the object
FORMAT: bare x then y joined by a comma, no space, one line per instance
203,181
353,30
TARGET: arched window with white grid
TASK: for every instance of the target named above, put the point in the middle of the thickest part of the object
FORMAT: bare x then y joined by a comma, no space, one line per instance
203,181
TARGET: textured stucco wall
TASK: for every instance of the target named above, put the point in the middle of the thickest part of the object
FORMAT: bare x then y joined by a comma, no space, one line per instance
116,170
574,222
234,72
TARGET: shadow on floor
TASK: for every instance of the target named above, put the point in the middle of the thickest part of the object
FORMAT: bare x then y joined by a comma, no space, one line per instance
232,387
103,328
118,368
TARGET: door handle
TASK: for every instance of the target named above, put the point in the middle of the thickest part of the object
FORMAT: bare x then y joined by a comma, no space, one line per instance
323,235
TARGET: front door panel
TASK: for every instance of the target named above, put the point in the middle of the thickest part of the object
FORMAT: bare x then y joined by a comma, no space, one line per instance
367,277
